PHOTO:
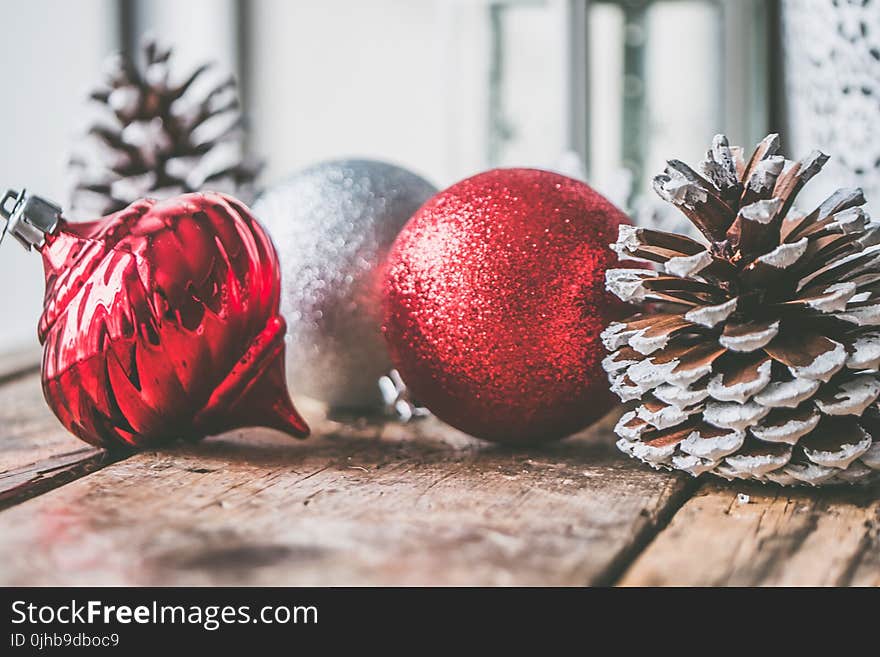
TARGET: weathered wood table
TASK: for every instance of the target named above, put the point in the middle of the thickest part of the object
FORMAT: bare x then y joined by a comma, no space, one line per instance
385,503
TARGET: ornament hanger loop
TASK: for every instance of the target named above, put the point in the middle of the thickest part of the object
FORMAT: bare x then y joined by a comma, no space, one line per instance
28,218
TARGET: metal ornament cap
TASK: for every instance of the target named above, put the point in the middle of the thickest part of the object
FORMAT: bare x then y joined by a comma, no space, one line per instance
28,218
333,224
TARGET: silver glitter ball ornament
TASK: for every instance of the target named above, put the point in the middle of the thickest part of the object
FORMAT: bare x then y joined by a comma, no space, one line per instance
332,225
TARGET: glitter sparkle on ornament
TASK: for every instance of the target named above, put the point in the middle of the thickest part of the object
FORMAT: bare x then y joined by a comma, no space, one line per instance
494,300
333,224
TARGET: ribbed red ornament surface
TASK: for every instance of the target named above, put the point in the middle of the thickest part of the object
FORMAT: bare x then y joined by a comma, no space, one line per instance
494,301
161,322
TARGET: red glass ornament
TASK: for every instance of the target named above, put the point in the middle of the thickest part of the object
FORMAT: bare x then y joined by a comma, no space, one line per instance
495,298
161,322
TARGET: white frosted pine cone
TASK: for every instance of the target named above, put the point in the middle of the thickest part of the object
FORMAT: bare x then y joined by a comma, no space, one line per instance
756,351
153,135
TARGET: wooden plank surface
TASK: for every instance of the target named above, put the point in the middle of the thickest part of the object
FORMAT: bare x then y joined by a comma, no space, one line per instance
29,432
32,479
19,361
36,452
750,535
385,503
376,504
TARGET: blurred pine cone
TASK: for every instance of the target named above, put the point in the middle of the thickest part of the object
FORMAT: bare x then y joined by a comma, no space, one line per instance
757,354
153,137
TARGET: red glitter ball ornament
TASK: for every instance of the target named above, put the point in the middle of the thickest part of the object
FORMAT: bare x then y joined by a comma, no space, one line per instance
161,321
495,297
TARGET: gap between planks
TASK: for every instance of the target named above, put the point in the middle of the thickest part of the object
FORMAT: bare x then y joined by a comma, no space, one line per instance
36,452
782,536
649,532
356,505
38,455
748,534
18,363
34,479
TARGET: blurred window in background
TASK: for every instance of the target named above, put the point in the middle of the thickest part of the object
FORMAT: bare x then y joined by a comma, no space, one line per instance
603,90
50,68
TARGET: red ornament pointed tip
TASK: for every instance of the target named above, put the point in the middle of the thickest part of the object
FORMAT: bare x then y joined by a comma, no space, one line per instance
254,394
266,403
284,417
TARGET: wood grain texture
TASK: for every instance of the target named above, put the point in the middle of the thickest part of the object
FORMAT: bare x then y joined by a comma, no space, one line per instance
29,432
779,536
374,504
34,479
36,452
